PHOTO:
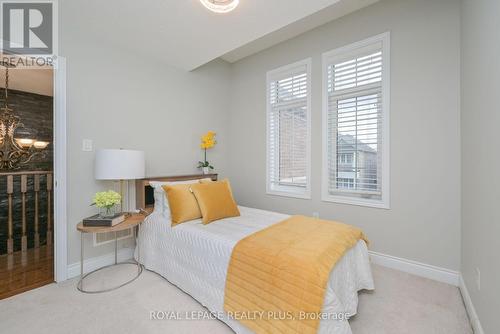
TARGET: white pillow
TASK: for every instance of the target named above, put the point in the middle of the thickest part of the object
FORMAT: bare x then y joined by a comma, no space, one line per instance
159,195
161,202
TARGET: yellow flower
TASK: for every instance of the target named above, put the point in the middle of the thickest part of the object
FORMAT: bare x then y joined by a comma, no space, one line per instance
208,140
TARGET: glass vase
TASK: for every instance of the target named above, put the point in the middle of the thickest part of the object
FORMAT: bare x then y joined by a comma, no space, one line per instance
107,212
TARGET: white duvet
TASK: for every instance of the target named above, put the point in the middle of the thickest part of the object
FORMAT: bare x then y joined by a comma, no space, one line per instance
195,257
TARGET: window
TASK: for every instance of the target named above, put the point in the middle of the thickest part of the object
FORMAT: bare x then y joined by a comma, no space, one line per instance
345,183
345,158
288,130
356,123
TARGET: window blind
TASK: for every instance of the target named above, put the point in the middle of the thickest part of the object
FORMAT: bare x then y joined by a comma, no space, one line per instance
288,129
354,119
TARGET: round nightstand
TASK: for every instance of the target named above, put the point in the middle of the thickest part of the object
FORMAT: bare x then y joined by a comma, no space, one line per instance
132,222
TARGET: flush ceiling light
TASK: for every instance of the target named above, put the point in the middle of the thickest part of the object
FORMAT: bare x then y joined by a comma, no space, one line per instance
220,6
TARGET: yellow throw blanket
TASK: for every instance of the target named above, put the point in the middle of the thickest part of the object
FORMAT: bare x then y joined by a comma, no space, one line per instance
277,277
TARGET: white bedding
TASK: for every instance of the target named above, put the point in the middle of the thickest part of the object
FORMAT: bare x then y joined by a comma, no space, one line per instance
195,258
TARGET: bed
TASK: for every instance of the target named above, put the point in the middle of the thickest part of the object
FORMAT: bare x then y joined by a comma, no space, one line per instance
195,258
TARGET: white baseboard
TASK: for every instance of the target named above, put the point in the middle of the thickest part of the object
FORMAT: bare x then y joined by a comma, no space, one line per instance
416,268
99,261
474,319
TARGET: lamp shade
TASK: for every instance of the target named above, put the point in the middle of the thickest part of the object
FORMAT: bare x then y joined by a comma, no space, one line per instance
119,164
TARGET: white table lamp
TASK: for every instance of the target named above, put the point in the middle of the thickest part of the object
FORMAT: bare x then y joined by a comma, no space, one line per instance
118,164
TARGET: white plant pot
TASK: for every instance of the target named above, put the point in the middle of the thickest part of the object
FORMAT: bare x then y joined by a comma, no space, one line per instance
206,170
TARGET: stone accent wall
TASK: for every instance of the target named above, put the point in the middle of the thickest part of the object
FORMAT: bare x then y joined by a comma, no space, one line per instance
36,112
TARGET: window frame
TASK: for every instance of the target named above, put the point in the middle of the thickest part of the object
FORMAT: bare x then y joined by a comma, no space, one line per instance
348,52
289,190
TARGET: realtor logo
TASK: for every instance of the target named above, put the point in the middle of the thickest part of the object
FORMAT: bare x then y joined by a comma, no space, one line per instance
27,28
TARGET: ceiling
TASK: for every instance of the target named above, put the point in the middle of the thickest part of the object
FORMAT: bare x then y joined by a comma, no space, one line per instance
185,34
26,77
37,81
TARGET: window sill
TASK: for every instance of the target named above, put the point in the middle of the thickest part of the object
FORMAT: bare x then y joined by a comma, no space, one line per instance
292,194
379,204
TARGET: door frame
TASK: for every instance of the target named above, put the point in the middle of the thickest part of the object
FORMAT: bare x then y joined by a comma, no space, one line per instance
60,171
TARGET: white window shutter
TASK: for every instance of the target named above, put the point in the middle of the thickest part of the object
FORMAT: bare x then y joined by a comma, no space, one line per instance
355,112
288,129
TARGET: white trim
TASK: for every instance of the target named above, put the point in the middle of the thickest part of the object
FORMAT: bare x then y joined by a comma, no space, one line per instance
272,75
97,262
284,71
471,310
60,188
285,193
354,201
362,45
416,268
327,57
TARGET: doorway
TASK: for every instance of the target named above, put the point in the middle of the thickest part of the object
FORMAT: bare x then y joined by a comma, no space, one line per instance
26,178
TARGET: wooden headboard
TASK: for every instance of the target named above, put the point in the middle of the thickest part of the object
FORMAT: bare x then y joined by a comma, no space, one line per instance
144,197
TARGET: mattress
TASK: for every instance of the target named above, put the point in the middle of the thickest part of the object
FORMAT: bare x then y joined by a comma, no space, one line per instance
195,258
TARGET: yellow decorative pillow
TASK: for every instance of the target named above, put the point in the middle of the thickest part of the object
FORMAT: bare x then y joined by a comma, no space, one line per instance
215,200
208,180
182,203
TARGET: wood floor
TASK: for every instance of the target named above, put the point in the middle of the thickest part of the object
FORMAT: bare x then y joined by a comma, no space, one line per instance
21,272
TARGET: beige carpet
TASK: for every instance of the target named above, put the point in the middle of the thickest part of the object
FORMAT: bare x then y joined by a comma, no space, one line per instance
402,303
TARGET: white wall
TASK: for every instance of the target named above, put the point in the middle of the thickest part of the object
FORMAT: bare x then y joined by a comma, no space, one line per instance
423,223
480,158
123,100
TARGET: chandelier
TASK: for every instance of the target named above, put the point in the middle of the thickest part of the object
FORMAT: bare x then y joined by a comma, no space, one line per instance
14,152
220,6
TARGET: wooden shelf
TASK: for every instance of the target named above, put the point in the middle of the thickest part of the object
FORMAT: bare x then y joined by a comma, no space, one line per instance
132,221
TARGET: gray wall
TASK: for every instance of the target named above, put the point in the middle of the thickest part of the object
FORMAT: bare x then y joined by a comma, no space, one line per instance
423,223
480,158
123,100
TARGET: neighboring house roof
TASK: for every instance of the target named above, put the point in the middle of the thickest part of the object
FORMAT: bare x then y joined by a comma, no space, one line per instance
348,143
